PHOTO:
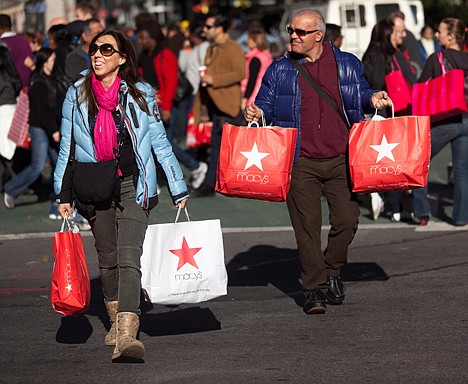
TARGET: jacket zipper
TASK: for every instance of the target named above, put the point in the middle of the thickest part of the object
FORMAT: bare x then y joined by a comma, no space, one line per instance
139,160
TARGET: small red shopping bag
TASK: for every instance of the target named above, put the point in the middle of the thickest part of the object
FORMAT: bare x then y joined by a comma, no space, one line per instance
198,134
256,162
70,292
390,154
398,88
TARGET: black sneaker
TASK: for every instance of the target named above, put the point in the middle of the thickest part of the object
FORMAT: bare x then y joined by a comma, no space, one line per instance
315,303
335,294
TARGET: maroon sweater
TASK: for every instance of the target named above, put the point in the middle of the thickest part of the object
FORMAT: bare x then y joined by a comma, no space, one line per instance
323,133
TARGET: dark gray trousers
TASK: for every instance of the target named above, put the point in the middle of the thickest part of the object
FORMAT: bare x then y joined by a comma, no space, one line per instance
119,233
310,179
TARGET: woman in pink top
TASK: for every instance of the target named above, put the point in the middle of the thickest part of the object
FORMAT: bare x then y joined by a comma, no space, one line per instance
257,61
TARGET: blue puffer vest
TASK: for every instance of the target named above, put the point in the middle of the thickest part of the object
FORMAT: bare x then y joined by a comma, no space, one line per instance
280,95
147,135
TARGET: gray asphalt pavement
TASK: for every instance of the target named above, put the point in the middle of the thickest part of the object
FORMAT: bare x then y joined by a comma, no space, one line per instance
404,320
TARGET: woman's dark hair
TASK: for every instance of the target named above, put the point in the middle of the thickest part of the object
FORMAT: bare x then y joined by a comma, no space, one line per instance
154,31
42,55
40,59
128,71
60,35
423,29
8,68
384,32
332,33
456,27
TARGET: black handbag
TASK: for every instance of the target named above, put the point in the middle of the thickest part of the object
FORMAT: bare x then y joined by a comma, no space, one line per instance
184,88
96,183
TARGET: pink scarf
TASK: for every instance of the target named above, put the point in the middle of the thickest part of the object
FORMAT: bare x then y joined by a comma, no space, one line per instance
105,131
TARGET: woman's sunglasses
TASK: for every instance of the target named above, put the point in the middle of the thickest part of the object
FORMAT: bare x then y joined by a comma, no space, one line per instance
106,49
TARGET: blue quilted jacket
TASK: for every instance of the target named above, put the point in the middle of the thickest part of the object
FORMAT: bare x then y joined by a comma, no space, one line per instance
280,95
147,136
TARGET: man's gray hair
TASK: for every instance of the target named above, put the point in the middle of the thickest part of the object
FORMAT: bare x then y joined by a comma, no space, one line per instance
311,12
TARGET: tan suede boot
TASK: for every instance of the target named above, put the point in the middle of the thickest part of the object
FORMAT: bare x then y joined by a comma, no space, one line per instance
112,307
127,348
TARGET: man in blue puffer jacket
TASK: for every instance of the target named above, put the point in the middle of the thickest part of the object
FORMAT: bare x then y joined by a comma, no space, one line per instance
288,100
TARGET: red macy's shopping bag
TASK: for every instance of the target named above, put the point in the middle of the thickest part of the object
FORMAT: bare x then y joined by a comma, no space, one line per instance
390,154
70,292
256,162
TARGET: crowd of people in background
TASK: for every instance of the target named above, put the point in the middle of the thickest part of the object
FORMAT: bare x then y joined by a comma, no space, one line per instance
169,58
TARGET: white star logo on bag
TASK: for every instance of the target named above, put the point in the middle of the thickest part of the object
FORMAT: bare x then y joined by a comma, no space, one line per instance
254,157
384,149
68,287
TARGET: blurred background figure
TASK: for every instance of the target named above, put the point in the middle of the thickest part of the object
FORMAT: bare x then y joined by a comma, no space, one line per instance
407,43
159,67
174,38
256,25
36,40
10,86
383,56
453,130
220,91
333,34
257,60
85,11
19,49
78,59
427,44
43,127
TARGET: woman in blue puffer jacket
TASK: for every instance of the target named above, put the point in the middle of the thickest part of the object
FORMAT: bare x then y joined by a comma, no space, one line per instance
112,114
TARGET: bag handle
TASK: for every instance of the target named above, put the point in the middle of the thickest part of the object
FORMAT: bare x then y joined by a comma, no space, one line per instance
380,117
178,214
442,66
262,119
394,60
70,225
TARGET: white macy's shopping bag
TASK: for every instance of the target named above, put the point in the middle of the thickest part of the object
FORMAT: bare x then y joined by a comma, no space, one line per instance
183,262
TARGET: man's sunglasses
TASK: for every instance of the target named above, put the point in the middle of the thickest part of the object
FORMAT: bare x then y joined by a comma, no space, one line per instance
106,49
207,26
299,32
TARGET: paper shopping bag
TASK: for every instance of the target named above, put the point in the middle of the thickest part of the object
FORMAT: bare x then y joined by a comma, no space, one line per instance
256,162
19,129
198,134
183,262
70,292
441,97
390,154
398,87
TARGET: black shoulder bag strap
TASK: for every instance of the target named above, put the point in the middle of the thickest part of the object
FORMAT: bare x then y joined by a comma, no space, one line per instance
320,91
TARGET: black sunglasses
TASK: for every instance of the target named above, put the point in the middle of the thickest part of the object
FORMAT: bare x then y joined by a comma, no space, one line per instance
207,26
299,32
106,49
